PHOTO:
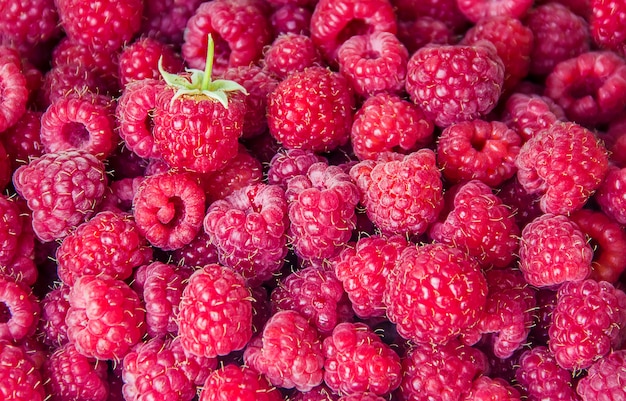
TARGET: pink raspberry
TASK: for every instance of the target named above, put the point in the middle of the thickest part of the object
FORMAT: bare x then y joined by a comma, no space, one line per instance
20,310
418,32
249,229
604,378
21,378
62,189
28,25
14,92
353,348
289,163
435,294
291,18
476,10
140,59
105,318
527,114
70,80
22,141
542,378
563,165
54,307
168,209
288,352
606,25
487,389
215,296
321,209
103,63
589,321
454,83
611,195
165,20
387,123
319,393
290,52
241,383
199,252
401,194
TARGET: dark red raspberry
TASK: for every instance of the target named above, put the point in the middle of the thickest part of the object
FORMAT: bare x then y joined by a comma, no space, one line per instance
16,241
527,114
487,389
165,20
438,75
387,123
604,378
119,198
421,31
321,208
21,379
446,11
589,87
546,301
319,393
435,294
27,25
139,60
249,228
215,296
361,397
351,350
589,321
14,95
542,378
580,7
373,63
288,352
168,209
105,318
317,294
611,195
72,376
524,207
476,10
480,224
6,169
443,372
69,80
291,18
480,150
290,52
239,28
199,252
401,194
606,25
233,382
62,190
19,309
559,34
299,117
563,165
289,163
54,307
109,243
615,140
22,140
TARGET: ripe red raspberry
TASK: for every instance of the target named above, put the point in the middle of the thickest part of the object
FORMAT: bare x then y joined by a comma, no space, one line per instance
20,310
487,389
559,34
446,11
16,241
199,252
21,380
73,376
363,270
106,317
317,294
611,196
27,25
334,21
604,378
241,383
215,296
249,227
165,20
421,31
299,117
168,209
401,194
386,122
288,352
476,10
103,26
239,27
542,378
22,140
290,52
563,165
527,114
319,393
435,294
606,25
62,189
361,397
14,92
321,209
70,80
351,350
524,206
438,75
109,243
291,18
589,321
289,163
373,63
54,307
443,372
139,60
589,87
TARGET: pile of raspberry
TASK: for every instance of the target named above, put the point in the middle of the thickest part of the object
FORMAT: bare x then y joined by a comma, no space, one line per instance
313,200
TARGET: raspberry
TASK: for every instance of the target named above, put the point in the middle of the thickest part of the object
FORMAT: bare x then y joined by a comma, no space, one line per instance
373,63
199,252
589,87
16,241
386,122
215,297
62,189
27,24
290,52
249,228
321,209
361,397
615,140
435,294
480,150
611,195
21,379
105,318
291,18
476,10
240,30
70,80
542,378
558,33
165,20
319,393
288,352
446,11
109,244
401,194
351,350
14,92
527,114
444,372
454,83
604,378
54,307
19,310
299,117
22,140
606,25
139,60
73,376
120,197
563,165
241,383
487,389
335,21
421,31
524,206
589,321
289,163
168,209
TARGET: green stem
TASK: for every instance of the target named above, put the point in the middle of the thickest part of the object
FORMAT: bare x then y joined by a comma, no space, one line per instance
208,69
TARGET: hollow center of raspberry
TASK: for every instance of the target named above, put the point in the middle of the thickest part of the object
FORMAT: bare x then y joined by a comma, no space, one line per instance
5,313
353,28
75,134
585,87
171,212
478,142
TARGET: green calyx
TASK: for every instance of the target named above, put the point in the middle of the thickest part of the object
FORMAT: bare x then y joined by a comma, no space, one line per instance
199,83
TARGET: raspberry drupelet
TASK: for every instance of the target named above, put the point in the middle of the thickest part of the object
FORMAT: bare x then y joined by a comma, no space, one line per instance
604,378
289,163
20,375
529,113
606,25
15,92
542,378
290,52
140,59
235,382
